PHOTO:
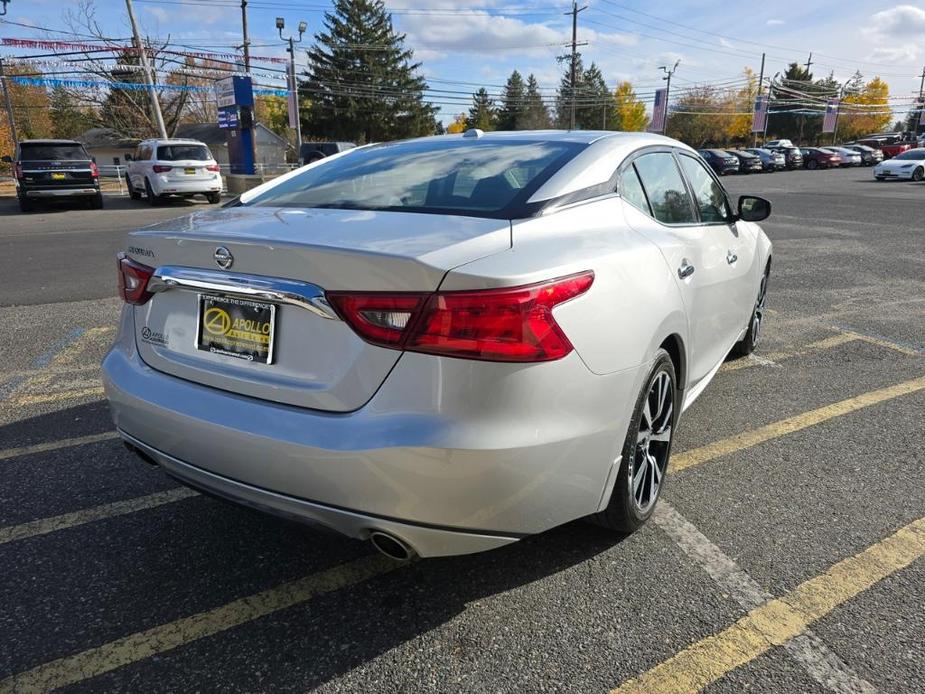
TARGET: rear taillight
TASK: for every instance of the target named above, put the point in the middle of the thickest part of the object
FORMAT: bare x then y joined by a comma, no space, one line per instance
213,167
17,170
160,168
133,280
511,324
94,171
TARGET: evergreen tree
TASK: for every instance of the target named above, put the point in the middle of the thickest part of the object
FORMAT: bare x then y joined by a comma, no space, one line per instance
594,101
535,115
360,94
512,103
564,95
68,120
482,113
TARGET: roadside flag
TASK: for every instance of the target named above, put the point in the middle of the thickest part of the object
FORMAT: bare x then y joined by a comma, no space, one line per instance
659,109
831,114
760,114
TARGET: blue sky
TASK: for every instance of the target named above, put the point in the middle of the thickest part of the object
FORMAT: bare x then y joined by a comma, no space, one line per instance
463,46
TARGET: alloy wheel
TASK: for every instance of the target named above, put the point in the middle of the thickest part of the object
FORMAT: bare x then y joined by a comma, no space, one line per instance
653,442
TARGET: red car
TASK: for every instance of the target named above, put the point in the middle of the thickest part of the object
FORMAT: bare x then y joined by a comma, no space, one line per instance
815,158
890,145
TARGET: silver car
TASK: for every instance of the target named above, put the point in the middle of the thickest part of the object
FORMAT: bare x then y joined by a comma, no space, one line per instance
445,344
849,157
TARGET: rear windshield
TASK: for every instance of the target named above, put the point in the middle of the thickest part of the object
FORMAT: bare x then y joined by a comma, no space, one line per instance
182,152
35,151
483,179
719,153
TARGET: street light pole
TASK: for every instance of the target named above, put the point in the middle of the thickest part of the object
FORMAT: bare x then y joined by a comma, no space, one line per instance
149,74
293,83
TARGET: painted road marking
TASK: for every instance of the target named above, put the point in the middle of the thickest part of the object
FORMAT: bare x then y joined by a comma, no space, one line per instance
166,637
56,445
777,621
906,348
790,425
819,661
772,358
44,387
43,526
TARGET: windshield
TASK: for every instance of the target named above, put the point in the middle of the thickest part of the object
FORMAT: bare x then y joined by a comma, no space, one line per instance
35,151
183,152
450,176
911,154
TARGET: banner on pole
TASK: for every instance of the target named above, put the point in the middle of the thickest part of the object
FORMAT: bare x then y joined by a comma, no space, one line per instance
831,115
659,111
760,114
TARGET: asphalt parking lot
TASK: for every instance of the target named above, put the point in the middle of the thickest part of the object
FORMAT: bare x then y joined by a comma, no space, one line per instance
787,555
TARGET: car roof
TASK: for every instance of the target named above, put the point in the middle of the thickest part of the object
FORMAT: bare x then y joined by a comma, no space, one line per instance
49,142
172,141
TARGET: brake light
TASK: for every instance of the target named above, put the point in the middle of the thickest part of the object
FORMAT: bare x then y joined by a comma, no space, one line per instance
94,171
510,324
17,169
160,168
213,167
133,280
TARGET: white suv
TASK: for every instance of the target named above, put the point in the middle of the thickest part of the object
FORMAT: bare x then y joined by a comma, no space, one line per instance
160,168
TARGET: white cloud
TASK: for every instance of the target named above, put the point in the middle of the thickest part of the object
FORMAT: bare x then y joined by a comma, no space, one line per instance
896,54
775,22
900,21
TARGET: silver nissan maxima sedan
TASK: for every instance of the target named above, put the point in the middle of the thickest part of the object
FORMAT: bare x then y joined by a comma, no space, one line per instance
444,344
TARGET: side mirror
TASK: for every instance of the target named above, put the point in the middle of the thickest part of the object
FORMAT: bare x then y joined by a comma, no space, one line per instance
7,159
753,209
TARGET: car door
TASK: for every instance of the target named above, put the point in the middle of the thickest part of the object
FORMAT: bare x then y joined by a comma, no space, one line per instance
740,239
695,253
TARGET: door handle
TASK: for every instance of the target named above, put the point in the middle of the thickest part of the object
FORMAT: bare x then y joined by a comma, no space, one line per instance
731,257
686,270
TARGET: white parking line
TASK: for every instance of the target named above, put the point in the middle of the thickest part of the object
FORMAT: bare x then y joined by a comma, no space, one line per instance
807,649
55,445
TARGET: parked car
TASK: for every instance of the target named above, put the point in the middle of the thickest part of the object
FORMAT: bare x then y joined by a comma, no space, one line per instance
848,156
770,161
909,165
784,144
721,162
890,145
160,169
54,170
869,155
315,151
793,156
420,345
748,162
818,158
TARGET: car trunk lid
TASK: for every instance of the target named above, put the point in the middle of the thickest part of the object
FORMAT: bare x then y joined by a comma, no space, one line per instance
316,361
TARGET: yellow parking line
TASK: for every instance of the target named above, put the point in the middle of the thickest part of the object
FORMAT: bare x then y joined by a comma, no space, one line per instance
144,644
55,445
777,621
817,346
882,342
70,394
774,430
43,526
70,354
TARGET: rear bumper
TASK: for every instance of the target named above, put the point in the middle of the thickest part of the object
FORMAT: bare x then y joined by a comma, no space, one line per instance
58,192
451,456
162,187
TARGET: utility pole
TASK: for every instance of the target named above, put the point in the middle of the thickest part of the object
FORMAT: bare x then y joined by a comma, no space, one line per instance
921,102
667,79
247,42
149,73
809,62
9,105
293,82
572,75
764,135
760,88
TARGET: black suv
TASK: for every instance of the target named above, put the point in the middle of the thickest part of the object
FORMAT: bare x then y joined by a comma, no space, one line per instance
721,162
313,151
54,170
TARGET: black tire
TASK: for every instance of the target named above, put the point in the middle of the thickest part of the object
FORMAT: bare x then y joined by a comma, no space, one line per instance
747,344
26,205
96,202
918,174
153,199
214,198
880,178
623,513
132,191
812,164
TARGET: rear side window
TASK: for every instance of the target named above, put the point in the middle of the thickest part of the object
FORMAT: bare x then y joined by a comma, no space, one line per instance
631,189
29,151
181,152
665,188
708,194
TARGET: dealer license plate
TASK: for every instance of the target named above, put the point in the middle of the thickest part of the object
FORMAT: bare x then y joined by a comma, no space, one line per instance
189,172
58,176
237,328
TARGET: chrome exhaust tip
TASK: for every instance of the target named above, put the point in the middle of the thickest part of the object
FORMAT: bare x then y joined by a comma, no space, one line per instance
391,546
